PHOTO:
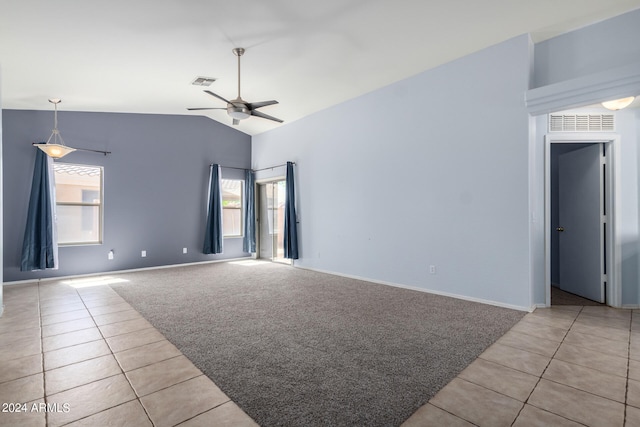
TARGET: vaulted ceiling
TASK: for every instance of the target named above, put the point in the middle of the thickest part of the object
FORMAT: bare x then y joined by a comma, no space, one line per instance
141,56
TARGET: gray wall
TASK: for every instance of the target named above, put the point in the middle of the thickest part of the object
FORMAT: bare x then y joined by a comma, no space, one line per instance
155,185
432,170
600,47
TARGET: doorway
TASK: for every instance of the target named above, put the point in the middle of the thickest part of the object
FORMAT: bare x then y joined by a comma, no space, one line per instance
270,220
582,245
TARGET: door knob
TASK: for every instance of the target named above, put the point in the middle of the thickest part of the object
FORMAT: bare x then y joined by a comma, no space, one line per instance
560,229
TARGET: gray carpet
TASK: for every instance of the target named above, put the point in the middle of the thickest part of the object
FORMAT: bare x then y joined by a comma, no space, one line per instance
298,348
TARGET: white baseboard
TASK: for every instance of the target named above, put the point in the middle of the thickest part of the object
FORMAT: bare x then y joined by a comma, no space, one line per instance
630,306
429,291
106,273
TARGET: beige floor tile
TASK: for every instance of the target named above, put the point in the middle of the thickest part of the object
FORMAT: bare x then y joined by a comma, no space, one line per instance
586,379
634,346
69,326
146,355
634,370
529,343
609,322
64,317
602,345
571,403
560,311
56,342
633,393
607,312
161,375
22,389
183,401
80,373
602,331
20,336
477,404
592,359
432,416
77,353
94,293
28,416
60,300
104,301
120,316
499,378
106,309
120,328
134,339
539,330
230,415
562,321
91,399
22,367
530,416
515,358
633,417
18,346
10,326
128,414
63,308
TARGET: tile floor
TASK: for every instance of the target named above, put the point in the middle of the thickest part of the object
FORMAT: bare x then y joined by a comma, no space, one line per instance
83,357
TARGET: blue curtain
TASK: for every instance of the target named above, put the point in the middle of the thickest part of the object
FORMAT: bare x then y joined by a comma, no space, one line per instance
290,226
40,246
213,232
249,242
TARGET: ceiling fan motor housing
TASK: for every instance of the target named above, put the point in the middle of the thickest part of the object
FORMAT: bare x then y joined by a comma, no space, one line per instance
238,111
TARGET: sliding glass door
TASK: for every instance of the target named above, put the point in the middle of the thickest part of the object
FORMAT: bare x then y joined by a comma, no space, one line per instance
270,217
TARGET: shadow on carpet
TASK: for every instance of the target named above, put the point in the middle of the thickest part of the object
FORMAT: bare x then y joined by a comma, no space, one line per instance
299,348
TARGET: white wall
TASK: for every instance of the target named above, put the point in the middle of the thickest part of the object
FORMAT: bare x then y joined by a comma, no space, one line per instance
432,170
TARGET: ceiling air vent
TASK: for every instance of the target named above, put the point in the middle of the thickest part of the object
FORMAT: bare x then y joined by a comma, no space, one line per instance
581,123
203,81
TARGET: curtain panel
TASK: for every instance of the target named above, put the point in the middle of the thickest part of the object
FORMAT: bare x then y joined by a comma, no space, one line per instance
213,232
290,225
40,244
249,220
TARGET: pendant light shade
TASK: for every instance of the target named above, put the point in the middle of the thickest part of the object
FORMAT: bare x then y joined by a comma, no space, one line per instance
618,104
54,147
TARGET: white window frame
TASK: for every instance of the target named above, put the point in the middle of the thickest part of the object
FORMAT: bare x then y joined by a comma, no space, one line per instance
242,206
99,205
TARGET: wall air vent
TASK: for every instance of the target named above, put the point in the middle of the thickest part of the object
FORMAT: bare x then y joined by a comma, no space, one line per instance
581,123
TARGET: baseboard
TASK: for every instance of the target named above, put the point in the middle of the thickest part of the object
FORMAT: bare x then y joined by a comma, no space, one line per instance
132,270
630,306
429,291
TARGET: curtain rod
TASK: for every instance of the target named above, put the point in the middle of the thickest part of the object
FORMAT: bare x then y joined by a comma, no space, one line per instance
255,170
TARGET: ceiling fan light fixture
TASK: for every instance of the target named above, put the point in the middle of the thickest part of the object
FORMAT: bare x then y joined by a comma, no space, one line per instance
238,112
618,104
55,149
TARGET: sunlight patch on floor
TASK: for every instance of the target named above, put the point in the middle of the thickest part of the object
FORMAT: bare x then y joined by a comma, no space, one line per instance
87,282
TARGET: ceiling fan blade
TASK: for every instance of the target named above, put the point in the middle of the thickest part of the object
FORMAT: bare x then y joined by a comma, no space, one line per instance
254,105
217,96
236,122
264,116
205,108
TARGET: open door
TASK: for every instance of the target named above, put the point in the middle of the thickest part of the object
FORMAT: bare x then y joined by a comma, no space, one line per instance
270,217
581,222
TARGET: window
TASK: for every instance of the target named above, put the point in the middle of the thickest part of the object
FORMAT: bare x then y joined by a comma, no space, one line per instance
232,194
78,203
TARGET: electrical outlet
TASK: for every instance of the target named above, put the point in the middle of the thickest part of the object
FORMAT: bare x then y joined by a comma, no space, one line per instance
143,254
432,269
184,250
110,254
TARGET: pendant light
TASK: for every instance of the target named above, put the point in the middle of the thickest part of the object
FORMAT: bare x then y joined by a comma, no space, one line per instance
618,104
55,149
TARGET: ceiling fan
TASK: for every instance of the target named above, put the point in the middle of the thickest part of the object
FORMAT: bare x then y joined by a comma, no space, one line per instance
238,108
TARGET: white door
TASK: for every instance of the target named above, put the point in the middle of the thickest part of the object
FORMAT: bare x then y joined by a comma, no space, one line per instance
581,201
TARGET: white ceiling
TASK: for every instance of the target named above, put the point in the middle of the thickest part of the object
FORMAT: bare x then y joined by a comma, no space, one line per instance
140,56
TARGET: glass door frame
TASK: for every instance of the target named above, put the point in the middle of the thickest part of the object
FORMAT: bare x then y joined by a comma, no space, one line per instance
259,222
